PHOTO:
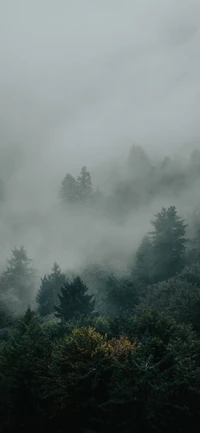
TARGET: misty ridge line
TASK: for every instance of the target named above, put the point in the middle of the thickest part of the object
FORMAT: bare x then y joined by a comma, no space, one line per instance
94,227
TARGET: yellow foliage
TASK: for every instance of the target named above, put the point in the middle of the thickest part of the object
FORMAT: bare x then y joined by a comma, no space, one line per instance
117,349
83,353
84,341
84,347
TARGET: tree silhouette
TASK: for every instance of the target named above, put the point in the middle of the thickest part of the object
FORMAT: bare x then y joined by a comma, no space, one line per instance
69,189
168,244
18,281
74,300
84,185
47,296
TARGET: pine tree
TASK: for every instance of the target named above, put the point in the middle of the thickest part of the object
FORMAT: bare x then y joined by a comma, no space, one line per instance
168,244
25,320
84,185
47,296
18,281
74,300
77,190
69,191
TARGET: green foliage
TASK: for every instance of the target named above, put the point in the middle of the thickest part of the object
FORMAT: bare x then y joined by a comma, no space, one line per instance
114,385
81,371
113,292
120,294
162,253
74,300
6,318
47,296
191,274
145,378
177,298
18,281
134,366
23,363
168,244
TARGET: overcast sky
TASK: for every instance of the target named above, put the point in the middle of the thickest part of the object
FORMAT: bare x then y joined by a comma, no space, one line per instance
89,76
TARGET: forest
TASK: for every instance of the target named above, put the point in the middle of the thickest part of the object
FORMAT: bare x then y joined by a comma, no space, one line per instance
112,344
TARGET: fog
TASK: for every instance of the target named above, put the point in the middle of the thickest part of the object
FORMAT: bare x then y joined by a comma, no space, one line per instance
80,82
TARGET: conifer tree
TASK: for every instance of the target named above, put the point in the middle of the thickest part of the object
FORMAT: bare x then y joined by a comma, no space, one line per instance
77,190
84,185
74,300
47,296
168,244
18,281
69,191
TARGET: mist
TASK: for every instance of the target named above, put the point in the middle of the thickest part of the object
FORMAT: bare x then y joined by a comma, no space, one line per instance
81,82
99,216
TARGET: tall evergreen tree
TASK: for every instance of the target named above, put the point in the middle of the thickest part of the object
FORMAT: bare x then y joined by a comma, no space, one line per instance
69,191
47,296
18,281
84,185
77,190
74,300
168,244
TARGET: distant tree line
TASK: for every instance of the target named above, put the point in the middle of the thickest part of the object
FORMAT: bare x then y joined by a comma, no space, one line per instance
136,182
163,254
77,190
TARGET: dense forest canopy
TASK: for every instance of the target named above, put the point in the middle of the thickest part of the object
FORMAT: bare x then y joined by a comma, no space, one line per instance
108,341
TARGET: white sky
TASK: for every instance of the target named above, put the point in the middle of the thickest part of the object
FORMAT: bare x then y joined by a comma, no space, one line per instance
84,76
